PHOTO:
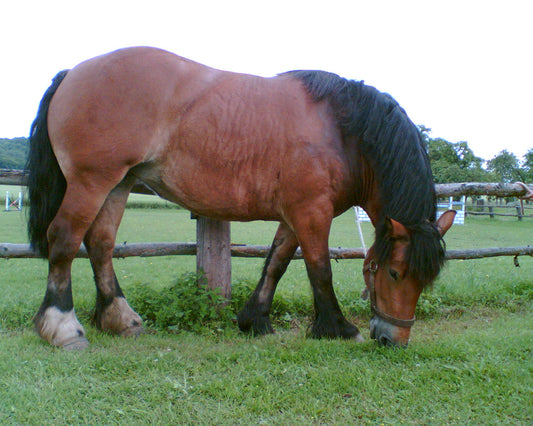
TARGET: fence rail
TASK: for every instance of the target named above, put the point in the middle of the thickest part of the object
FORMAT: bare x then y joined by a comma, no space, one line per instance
18,177
23,251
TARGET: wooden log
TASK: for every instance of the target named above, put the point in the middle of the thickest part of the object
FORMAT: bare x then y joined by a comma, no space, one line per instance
489,252
23,251
481,188
13,177
241,250
213,255
19,251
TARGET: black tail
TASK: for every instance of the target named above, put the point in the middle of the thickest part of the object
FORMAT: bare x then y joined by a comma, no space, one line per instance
46,182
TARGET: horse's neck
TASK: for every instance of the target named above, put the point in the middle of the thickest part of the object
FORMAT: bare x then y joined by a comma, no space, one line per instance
373,208
367,190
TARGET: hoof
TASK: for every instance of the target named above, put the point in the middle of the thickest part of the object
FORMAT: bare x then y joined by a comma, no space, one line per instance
60,329
359,338
133,331
118,318
254,325
77,344
341,329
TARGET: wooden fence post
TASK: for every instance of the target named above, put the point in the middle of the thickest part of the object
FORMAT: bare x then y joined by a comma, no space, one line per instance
519,212
213,254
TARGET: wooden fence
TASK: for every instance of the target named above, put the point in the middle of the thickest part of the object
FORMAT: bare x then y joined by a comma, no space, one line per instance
518,211
23,251
214,250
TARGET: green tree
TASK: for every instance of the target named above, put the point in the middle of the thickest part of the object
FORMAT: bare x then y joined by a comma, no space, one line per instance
505,166
13,153
527,167
453,162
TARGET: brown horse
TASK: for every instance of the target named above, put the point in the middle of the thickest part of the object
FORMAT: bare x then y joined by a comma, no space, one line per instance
299,148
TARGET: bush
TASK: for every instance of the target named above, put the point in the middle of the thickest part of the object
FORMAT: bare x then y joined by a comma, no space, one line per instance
184,306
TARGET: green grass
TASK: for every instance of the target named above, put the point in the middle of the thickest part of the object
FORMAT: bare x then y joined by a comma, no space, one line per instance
470,359
454,372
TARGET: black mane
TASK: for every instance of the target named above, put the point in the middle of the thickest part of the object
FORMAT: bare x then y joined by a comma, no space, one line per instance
393,147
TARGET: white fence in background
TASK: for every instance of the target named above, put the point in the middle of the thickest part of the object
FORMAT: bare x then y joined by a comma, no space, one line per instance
13,205
458,206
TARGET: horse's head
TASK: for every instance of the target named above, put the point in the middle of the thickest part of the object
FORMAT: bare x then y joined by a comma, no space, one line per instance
393,282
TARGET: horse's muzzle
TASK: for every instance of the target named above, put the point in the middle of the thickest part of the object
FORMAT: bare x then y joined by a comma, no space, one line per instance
387,334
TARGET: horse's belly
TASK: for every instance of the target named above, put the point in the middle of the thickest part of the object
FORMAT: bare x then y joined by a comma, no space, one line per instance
219,192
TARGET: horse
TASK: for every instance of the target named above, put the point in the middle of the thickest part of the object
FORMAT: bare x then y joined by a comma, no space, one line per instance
298,148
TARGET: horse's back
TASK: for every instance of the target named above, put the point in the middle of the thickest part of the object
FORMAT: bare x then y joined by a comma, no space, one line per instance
243,144
222,144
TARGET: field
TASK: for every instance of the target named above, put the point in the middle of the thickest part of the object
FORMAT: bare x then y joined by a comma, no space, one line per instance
470,359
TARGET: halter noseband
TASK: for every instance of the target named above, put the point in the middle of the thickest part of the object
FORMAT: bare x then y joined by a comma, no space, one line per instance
372,268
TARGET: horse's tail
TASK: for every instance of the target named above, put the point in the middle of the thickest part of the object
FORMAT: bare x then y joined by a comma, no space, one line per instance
46,182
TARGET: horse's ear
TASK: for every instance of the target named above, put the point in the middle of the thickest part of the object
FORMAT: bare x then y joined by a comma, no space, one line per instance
396,230
445,221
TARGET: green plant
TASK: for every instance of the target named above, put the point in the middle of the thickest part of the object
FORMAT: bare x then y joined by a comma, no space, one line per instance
183,306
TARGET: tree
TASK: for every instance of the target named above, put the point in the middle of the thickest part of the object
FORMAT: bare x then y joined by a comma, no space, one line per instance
527,167
453,162
13,153
505,166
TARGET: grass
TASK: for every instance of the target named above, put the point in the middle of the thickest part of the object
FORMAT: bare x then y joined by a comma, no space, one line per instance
470,359
468,374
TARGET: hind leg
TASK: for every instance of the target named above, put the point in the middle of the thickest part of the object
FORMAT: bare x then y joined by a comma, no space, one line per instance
112,313
56,321
255,316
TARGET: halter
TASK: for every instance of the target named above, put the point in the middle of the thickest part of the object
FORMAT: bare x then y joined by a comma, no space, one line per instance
372,268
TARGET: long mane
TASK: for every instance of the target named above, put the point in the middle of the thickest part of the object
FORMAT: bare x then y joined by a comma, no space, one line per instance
392,145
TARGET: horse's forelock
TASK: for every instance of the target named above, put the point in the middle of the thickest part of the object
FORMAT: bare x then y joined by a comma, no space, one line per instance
426,253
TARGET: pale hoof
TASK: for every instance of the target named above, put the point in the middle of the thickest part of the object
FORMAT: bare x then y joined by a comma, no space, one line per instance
61,329
133,331
359,338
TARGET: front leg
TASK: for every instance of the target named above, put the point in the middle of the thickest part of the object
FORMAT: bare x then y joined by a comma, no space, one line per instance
329,321
255,316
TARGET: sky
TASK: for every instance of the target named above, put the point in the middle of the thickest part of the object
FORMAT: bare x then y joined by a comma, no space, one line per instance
462,68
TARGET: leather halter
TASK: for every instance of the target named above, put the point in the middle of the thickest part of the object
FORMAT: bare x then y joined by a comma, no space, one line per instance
372,268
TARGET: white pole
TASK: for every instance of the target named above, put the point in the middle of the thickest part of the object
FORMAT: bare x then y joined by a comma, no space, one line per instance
7,201
20,200
356,209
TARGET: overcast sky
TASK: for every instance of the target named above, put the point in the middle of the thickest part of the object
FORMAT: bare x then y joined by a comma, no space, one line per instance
462,68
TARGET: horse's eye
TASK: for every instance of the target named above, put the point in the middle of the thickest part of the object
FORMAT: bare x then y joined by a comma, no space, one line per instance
394,274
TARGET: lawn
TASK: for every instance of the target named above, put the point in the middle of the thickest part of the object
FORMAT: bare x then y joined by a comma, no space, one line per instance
470,359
